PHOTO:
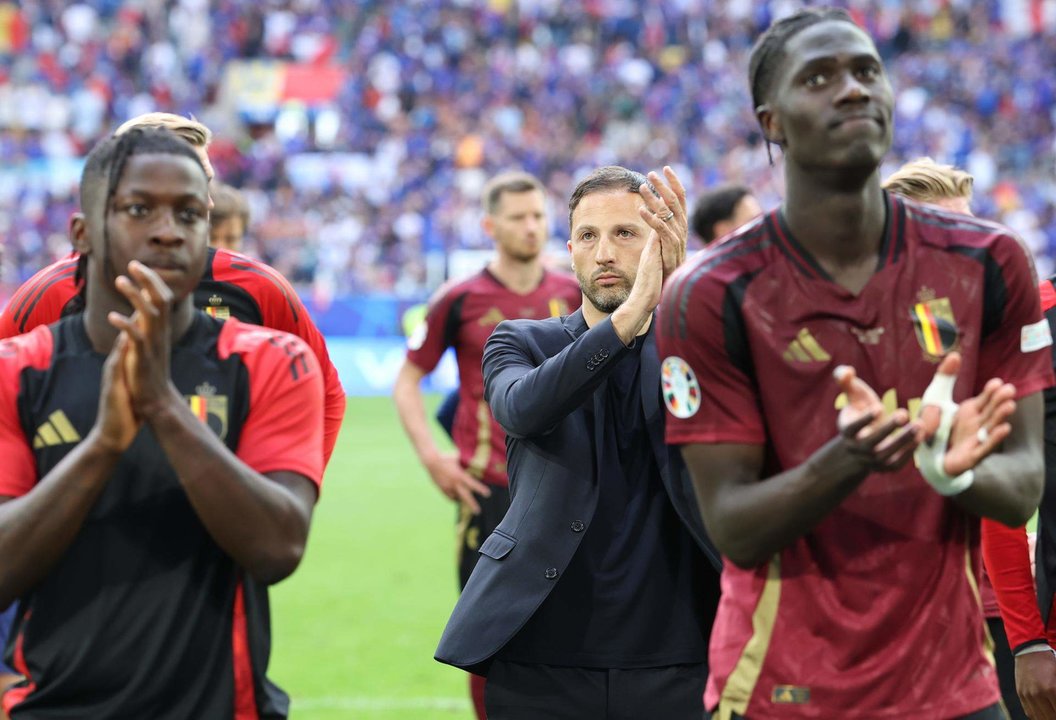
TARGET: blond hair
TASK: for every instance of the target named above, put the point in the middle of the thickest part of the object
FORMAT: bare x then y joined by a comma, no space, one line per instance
189,129
927,181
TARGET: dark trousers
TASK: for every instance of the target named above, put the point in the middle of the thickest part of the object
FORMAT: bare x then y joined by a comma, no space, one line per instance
1006,669
518,691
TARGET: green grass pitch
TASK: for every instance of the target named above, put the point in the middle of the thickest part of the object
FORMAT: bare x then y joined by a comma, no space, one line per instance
354,629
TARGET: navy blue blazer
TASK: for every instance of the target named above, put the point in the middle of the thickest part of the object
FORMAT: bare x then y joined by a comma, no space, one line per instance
540,378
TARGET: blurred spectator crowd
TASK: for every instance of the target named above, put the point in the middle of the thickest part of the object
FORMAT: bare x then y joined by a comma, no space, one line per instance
365,176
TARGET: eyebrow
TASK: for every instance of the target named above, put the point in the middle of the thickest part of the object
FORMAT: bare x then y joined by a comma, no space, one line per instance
834,58
148,194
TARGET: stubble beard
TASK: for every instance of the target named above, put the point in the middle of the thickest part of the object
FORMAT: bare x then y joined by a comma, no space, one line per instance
607,299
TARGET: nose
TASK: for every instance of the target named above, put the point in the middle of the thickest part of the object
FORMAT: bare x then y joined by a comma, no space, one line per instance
605,251
852,90
166,229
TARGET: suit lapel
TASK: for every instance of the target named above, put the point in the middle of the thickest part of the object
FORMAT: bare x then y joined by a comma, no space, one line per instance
654,420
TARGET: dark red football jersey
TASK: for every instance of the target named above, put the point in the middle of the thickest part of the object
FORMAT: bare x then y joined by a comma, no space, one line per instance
875,613
462,315
144,615
233,285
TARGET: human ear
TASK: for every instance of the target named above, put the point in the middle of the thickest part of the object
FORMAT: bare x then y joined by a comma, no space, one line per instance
78,232
770,124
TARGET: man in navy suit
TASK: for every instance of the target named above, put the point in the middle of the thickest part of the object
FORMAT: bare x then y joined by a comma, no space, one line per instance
594,597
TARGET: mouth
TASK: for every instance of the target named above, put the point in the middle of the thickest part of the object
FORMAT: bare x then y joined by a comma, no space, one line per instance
607,280
856,120
164,262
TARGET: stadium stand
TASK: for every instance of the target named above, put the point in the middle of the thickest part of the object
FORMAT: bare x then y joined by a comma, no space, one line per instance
362,138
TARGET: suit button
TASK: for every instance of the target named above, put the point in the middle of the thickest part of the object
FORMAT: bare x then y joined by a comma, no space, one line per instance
577,526
550,573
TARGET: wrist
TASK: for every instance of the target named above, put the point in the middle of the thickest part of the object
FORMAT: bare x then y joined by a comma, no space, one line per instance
102,448
627,321
167,406
1032,649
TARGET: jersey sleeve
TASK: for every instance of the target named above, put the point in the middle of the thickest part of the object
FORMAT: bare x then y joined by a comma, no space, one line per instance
1007,557
705,373
18,471
282,309
428,341
284,428
1016,340
40,300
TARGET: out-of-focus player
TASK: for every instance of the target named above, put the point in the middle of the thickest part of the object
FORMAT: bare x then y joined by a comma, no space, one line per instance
229,218
851,587
233,286
950,188
721,210
160,467
462,314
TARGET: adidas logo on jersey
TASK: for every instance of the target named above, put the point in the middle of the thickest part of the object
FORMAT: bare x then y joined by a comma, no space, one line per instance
805,349
56,430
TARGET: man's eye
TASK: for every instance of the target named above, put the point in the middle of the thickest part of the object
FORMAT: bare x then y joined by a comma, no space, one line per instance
587,236
815,80
191,214
625,233
136,210
869,73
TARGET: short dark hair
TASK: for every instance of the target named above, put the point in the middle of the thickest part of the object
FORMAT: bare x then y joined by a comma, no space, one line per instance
103,170
228,202
607,179
106,162
715,206
508,182
768,53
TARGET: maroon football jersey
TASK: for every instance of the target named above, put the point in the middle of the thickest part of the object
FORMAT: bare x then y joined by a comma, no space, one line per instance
462,315
875,613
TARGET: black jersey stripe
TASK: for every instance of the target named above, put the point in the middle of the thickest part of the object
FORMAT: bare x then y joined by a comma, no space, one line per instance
453,321
28,310
891,236
756,241
795,252
899,243
953,221
26,292
258,270
995,292
735,330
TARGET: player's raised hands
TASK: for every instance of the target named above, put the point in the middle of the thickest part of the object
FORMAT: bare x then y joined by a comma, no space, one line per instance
116,425
454,481
976,426
667,216
880,441
148,336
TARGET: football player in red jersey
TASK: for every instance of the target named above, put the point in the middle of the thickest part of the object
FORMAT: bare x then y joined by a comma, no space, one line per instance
160,467
462,314
851,583
232,286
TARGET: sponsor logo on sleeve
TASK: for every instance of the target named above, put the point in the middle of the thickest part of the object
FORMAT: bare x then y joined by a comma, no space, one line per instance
1035,336
680,388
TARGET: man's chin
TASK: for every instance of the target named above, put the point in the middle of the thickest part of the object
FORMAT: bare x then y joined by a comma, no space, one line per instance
606,302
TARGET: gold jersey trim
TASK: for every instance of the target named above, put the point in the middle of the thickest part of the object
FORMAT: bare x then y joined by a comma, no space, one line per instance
745,675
